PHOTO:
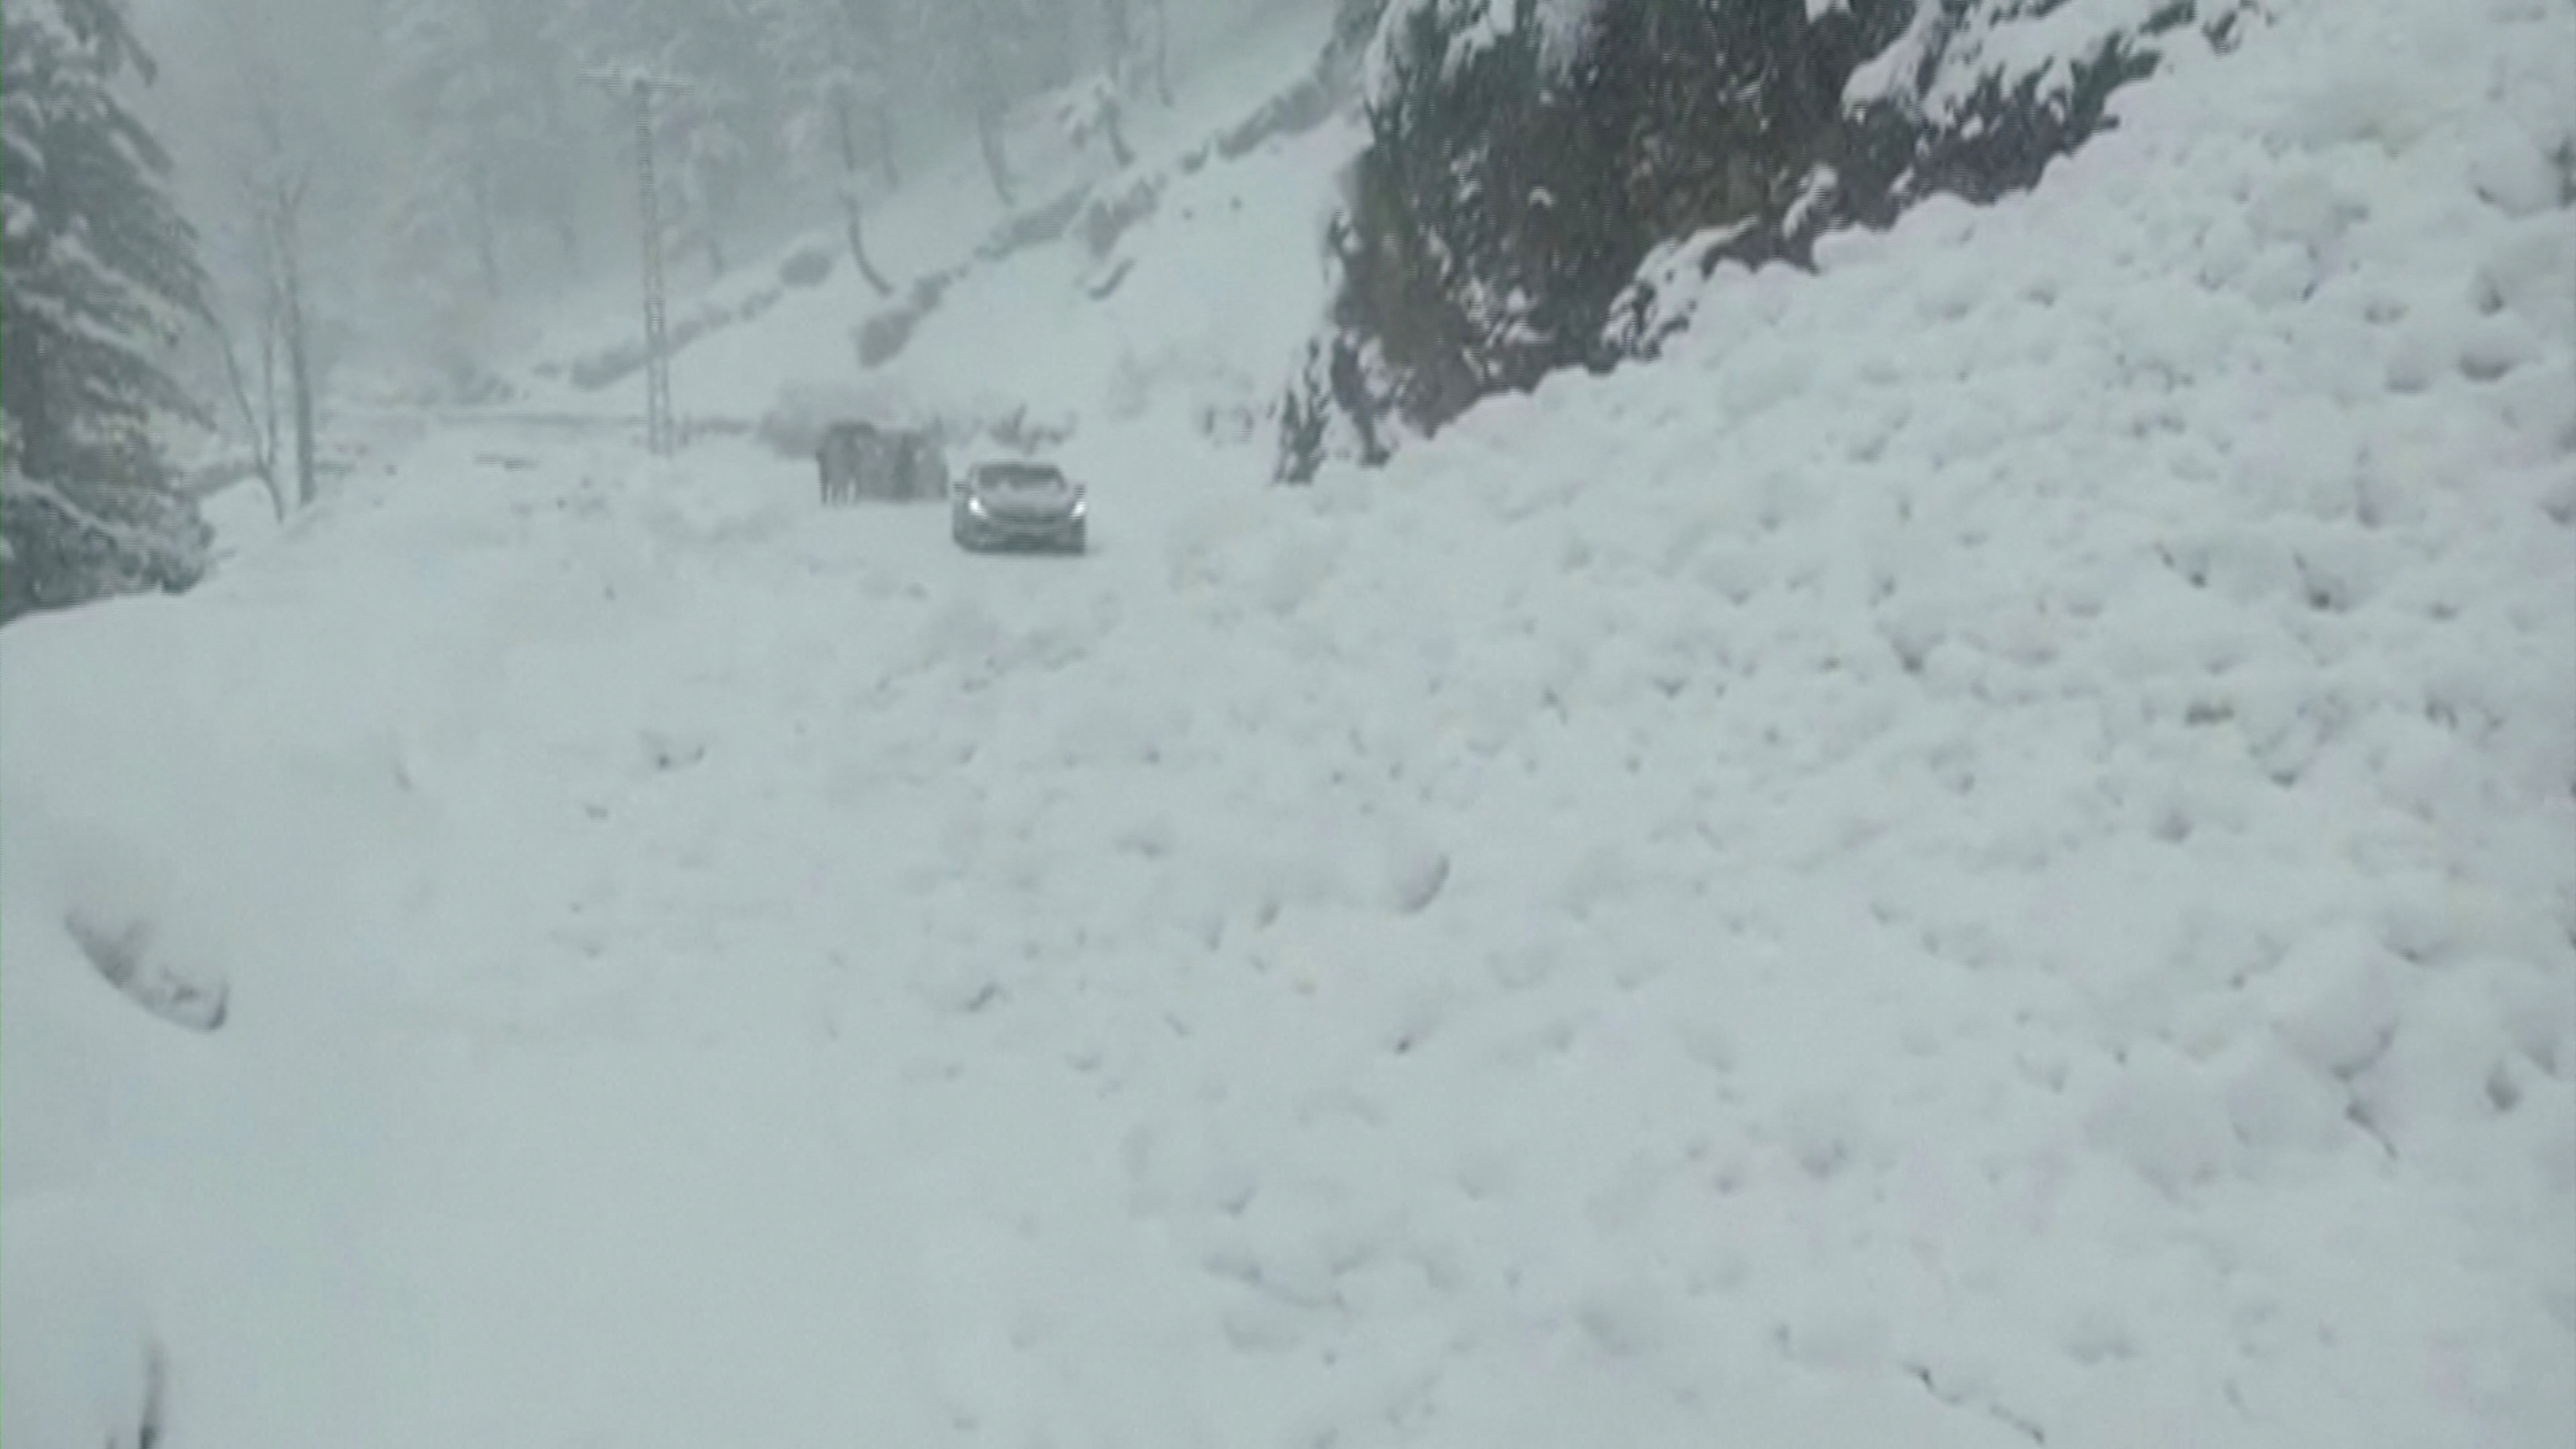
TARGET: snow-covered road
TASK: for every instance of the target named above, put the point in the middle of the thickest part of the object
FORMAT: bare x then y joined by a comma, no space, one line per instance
1227,987
1983,855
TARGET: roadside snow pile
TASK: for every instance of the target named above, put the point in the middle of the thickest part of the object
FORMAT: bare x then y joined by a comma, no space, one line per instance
2056,734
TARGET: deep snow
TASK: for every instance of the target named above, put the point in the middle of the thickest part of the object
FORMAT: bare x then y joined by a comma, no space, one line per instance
1985,854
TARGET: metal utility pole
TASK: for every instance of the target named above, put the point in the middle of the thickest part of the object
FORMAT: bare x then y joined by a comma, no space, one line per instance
639,88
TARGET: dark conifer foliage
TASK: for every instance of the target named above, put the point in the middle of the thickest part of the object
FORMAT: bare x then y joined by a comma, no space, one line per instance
1494,227
101,273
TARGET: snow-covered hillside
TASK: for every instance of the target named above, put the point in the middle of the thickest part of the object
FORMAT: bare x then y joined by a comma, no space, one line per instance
1211,291
1982,855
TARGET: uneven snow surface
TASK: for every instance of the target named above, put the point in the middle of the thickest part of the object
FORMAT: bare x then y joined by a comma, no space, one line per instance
1984,855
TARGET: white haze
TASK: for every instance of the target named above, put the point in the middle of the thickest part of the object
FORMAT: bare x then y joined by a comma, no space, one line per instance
329,71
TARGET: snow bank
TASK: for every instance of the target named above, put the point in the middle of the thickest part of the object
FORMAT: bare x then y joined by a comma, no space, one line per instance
2136,618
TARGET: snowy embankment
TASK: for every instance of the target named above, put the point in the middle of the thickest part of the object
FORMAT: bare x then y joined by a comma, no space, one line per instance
1983,855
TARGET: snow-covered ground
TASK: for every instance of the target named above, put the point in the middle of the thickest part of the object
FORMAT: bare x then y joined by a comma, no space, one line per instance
1224,282
1201,277
1985,855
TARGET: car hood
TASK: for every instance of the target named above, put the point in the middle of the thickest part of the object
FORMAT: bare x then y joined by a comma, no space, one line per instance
1053,496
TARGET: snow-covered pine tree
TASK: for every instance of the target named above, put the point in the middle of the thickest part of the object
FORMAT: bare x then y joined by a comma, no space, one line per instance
98,272
1355,24
102,269
1526,157
1433,267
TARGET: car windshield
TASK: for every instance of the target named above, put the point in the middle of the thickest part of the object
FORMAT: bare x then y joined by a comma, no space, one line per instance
1022,475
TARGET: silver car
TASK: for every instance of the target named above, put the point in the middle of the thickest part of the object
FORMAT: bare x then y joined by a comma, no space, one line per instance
1018,505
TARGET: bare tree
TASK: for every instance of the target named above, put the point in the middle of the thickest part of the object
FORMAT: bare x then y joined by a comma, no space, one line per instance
274,185
1161,11
873,21
985,89
844,103
278,184
256,405
833,58
1117,39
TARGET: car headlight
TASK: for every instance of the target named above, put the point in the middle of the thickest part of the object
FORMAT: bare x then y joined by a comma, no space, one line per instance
1081,506
975,506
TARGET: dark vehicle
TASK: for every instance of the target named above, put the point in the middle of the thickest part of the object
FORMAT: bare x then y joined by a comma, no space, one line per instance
862,461
1018,505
